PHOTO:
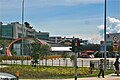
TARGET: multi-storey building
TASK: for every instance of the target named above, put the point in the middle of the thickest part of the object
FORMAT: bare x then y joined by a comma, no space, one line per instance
6,31
56,39
42,35
16,30
59,39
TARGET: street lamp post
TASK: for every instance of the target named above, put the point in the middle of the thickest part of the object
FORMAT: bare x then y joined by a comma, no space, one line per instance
22,26
105,35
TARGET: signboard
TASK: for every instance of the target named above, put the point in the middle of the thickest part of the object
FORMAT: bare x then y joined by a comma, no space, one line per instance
115,38
115,43
115,49
115,46
102,46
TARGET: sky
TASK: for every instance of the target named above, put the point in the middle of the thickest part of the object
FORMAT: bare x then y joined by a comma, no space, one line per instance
80,18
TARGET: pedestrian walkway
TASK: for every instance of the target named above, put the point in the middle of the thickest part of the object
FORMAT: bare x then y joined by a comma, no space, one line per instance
107,77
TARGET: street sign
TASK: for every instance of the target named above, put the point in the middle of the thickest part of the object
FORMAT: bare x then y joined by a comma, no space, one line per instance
115,38
115,46
115,49
102,48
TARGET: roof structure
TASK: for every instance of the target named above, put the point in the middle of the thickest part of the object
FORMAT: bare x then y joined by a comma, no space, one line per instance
60,48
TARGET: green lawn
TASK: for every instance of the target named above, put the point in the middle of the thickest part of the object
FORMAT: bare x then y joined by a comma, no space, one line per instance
28,72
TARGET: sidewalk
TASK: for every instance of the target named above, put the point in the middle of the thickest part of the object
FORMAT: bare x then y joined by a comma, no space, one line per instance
107,77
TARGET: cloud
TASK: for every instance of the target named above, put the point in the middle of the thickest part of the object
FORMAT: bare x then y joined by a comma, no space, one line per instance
113,26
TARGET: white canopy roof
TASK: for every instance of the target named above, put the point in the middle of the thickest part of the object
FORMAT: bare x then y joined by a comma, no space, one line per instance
60,48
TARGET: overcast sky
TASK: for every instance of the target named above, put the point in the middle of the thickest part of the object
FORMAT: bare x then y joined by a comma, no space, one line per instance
79,18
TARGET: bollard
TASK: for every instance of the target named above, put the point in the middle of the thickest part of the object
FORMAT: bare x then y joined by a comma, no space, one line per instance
17,75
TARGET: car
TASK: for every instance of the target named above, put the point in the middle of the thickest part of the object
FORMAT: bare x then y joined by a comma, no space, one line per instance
7,76
86,54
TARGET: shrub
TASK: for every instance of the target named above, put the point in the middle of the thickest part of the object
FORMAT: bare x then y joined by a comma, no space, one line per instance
44,72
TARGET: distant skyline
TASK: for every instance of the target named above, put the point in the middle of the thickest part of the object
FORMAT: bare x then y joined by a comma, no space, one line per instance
79,18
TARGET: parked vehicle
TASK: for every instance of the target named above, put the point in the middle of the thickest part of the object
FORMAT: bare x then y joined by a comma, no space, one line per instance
87,54
6,76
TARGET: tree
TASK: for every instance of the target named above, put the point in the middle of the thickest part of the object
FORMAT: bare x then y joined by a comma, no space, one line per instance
45,50
72,58
64,56
3,45
13,52
39,51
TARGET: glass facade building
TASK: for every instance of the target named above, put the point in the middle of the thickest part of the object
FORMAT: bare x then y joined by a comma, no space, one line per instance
7,31
15,30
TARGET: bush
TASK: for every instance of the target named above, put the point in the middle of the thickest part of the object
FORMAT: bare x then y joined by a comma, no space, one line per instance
44,72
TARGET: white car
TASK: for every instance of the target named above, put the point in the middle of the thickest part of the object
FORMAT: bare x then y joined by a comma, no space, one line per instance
6,76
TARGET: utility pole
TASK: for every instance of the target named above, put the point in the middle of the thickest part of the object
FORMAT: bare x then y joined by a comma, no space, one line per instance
105,35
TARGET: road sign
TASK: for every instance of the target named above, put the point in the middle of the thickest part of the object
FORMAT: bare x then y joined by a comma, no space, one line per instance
115,46
102,48
115,49
115,38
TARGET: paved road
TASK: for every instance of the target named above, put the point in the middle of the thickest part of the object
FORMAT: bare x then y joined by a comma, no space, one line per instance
107,77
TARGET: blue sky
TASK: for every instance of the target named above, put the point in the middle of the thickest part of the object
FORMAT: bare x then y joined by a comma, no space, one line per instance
79,18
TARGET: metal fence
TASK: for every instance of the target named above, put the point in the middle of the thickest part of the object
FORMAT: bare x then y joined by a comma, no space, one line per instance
81,62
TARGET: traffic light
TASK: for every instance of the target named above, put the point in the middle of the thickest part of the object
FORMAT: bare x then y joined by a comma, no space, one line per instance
80,45
75,45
